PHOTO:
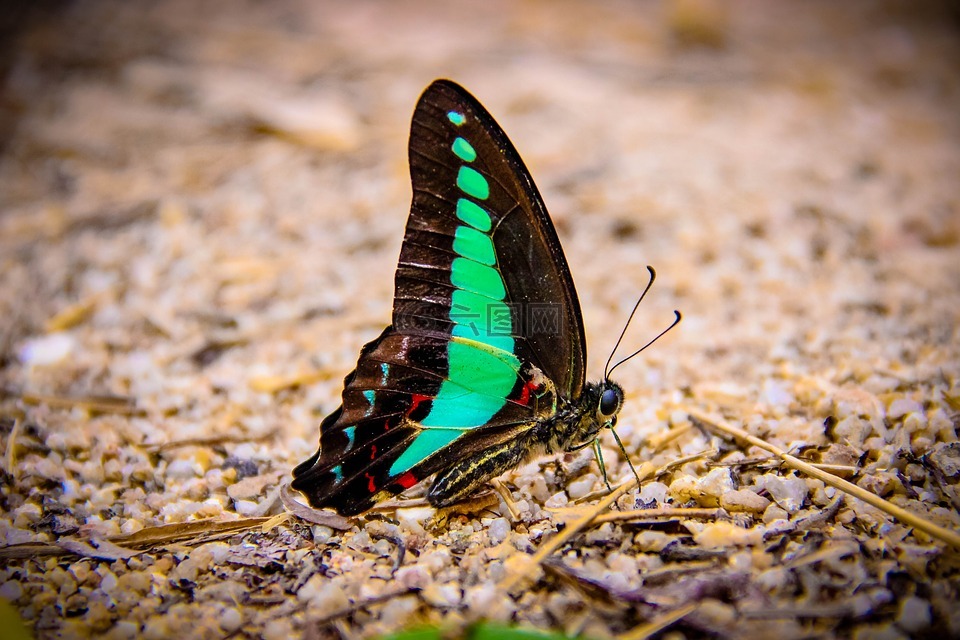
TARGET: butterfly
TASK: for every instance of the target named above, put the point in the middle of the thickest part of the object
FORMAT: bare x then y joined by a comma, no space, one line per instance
483,366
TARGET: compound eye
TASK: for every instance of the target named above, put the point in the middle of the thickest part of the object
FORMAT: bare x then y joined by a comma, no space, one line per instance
609,402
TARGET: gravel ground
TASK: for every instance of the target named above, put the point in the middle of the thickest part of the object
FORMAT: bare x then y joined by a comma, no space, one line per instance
201,207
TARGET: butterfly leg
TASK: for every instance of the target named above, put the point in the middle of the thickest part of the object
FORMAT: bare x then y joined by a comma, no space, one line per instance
462,479
603,467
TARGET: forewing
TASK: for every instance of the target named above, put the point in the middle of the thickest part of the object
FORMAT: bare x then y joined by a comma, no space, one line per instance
480,252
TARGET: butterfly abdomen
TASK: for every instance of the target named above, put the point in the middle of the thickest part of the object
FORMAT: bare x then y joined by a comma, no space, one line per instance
461,480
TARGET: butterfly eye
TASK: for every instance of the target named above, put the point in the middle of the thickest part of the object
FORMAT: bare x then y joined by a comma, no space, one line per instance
609,402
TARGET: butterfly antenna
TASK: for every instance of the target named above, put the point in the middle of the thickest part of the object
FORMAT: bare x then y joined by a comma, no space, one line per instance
606,367
677,318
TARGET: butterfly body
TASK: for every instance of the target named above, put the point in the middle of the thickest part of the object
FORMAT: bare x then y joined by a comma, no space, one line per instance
571,427
483,365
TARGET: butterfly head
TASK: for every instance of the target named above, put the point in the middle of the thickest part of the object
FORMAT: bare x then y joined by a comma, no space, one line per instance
609,404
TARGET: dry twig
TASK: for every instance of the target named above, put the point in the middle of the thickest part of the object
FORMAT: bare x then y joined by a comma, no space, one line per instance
904,516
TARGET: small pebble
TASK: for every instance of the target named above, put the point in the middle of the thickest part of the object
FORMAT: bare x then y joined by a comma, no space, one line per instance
321,534
230,619
246,508
774,512
557,500
442,595
725,534
397,611
852,430
915,615
108,581
489,602
789,492
122,630
654,491
652,541
903,406
581,486
11,591
278,629
323,595
498,530
46,350
182,469
743,500
27,514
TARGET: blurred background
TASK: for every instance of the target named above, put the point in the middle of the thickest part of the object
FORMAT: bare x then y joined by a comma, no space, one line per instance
202,204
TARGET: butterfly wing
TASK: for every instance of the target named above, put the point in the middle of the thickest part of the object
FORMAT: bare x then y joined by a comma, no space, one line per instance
486,323
468,181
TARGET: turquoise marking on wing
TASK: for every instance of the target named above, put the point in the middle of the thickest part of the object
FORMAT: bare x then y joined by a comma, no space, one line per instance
480,318
338,472
456,118
479,278
479,380
351,433
370,395
473,244
385,369
464,150
425,444
473,214
504,343
473,310
472,183
478,367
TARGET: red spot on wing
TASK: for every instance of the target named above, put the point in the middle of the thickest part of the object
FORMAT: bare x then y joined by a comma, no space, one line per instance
373,452
416,399
525,392
407,480
371,485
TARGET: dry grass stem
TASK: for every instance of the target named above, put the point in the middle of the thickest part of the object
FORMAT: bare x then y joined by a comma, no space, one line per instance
911,519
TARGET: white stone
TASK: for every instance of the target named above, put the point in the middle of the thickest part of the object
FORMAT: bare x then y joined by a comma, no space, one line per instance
557,500
789,492
246,508
498,530
915,615
414,576
412,519
46,350
447,594
852,430
182,469
230,619
323,595
654,491
743,500
278,629
108,582
902,406
581,486
774,512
